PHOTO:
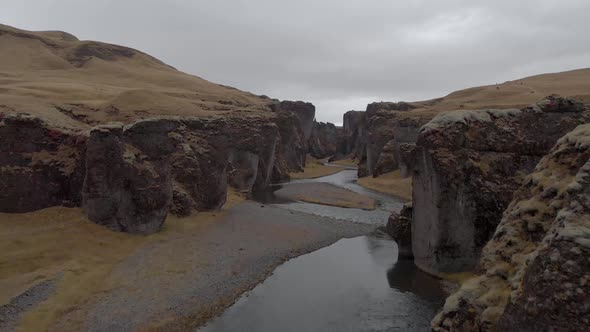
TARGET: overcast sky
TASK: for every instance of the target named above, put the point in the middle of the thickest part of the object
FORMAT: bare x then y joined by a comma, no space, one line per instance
338,54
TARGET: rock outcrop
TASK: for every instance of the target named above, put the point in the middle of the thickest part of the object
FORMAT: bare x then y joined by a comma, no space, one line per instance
295,122
41,165
353,131
399,227
324,140
466,166
131,176
535,270
391,127
128,183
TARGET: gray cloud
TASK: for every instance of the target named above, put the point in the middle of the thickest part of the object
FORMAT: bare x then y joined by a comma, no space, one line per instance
339,55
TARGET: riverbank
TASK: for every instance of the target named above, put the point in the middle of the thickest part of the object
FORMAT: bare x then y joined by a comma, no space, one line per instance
176,279
58,260
326,194
389,183
316,168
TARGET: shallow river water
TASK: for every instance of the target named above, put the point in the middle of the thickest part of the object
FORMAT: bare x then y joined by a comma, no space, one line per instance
355,284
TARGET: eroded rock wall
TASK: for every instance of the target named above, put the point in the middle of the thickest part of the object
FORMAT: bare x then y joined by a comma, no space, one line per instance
132,176
466,166
41,165
386,129
534,272
324,140
353,132
128,183
295,122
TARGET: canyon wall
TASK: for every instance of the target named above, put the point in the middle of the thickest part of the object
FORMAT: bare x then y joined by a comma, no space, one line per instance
41,165
388,125
128,177
295,121
533,273
466,166
325,140
353,132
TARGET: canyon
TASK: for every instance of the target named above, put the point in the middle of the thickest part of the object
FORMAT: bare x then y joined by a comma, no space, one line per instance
171,177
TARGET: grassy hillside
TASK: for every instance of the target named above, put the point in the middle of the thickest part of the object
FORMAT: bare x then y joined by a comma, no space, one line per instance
76,83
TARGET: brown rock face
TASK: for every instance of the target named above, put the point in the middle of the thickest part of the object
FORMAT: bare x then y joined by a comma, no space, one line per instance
534,271
353,132
212,153
305,113
466,166
388,160
40,165
399,227
324,140
402,106
295,122
384,126
128,184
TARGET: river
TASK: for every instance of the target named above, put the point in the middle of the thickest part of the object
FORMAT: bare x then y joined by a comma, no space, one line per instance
355,284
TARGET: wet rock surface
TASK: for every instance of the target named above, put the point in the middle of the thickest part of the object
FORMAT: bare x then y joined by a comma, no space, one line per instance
466,166
399,227
534,271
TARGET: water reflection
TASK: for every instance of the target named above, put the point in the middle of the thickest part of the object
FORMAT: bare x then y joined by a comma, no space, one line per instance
353,285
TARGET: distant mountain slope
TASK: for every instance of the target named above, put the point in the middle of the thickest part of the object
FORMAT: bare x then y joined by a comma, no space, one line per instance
64,80
514,94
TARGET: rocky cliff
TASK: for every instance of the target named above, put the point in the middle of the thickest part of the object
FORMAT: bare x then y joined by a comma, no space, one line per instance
534,271
295,121
353,132
466,166
130,138
325,140
388,125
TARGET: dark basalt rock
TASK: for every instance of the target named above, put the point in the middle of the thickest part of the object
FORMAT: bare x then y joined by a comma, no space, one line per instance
295,121
466,166
353,133
129,187
40,165
324,140
533,273
399,227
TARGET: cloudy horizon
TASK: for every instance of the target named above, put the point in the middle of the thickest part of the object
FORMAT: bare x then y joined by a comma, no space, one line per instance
339,56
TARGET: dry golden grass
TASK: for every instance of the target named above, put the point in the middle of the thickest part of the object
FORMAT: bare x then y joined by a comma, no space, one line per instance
345,162
99,82
326,194
39,245
389,183
512,94
315,168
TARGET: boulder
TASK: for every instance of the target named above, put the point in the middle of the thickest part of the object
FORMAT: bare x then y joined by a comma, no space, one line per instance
128,183
399,227
534,271
466,167
41,164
